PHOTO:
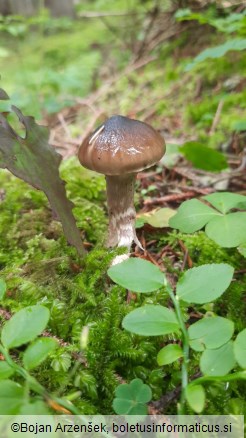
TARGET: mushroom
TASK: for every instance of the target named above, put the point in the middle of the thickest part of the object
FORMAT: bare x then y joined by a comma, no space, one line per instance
119,149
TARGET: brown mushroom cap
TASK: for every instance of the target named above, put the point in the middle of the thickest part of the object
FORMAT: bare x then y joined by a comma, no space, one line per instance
121,145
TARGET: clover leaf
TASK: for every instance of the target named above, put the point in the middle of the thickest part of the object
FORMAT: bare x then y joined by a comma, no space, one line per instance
226,228
131,398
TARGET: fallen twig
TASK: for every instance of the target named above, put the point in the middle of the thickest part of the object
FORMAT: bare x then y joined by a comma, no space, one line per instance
187,258
198,190
170,198
169,397
216,117
108,14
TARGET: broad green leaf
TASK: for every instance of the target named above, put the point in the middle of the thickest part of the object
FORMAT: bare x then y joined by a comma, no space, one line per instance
192,216
131,398
137,275
218,51
218,362
205,283
240,348
195,396
203,157
5,370
37,352
169,354
33,160
11,397
210,332
228,231
151,320
25,326
224,201
2,289
157,218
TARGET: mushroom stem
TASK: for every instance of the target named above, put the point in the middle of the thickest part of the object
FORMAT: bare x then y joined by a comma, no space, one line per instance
122,214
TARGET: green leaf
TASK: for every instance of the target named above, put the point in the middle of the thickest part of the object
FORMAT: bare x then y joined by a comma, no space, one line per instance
11,397
131,398
203,157
218,362
228,231
137,275
157,218
224,201
139,391
196,397
210,332
151,320
2,288
33,160
218,51
192,215
24,326
240,348
37,352
5,370
205,283
169,354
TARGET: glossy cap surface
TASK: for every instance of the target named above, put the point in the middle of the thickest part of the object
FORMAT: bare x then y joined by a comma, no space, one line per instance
121,145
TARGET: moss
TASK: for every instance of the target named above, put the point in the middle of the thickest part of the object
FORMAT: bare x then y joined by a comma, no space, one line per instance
203,250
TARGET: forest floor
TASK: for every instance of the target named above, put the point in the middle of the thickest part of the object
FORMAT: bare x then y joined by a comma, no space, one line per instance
72,79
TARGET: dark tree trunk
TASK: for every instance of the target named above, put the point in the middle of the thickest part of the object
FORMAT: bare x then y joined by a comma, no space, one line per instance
24,7
60,8
5,7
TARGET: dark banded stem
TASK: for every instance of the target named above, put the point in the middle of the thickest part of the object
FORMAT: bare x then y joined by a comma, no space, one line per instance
122,214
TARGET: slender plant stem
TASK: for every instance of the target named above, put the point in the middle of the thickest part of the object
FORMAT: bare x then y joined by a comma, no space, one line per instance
185,339
240,375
